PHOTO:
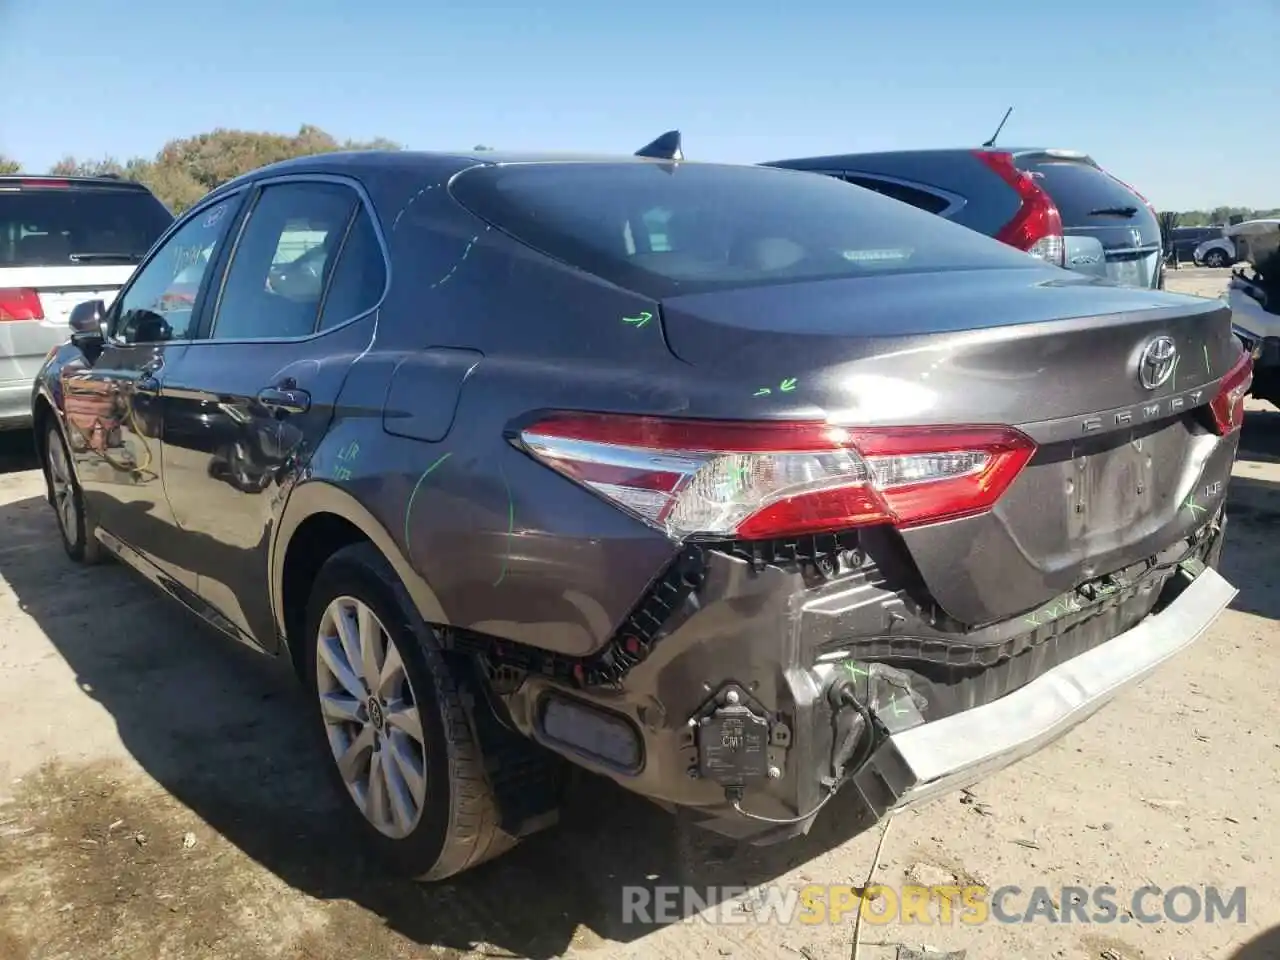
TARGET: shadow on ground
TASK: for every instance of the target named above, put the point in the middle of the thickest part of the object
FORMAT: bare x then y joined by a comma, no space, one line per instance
1253,517
17,451
1265,946
223,730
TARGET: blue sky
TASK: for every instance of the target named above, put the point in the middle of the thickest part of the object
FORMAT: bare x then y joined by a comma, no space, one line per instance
744,82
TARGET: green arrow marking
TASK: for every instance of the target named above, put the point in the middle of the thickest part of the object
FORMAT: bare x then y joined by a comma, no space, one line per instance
897,712
787,385
763,392
640,321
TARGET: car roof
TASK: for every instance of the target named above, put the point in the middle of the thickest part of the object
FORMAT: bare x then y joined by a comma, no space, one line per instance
420,159
439,163
1058,152
41,181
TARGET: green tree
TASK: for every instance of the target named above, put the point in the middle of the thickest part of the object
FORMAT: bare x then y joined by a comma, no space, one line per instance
9,166
187,168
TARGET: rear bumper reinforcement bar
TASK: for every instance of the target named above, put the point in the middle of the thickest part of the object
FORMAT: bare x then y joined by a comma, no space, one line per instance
925,762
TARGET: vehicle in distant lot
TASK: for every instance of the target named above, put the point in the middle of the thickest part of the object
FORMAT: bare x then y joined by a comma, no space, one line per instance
62,239
1253,293
1216,252
1053,204
1183,241
731,483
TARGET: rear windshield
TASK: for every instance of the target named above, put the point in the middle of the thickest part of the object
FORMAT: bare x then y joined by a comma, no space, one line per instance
1084,194
663,229
67,226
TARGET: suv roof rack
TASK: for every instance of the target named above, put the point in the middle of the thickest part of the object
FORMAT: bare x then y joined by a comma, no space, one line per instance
665,147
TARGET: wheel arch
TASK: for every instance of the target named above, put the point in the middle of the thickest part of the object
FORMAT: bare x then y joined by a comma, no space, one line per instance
319,519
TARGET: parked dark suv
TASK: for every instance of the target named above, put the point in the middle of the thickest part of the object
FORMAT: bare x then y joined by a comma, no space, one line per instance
1051,203
737,485
1184,240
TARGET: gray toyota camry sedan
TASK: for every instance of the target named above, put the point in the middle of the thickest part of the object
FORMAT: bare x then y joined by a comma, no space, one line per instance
742,486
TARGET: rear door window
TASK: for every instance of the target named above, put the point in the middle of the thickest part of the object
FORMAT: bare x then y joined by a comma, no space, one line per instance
924,199
71,225
662,229
282,261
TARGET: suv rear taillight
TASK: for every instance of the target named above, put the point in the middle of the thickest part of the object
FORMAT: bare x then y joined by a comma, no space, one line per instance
1228,406
1037,226
20,303
759,480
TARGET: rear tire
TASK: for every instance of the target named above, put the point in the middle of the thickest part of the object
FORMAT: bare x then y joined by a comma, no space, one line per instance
412,717
76,527
1216,259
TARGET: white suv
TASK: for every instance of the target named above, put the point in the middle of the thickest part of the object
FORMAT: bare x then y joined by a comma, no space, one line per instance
62,240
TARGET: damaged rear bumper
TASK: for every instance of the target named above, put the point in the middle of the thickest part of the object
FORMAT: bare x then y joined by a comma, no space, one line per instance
924,762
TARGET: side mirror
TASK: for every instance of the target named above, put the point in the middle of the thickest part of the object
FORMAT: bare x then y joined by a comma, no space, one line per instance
88,323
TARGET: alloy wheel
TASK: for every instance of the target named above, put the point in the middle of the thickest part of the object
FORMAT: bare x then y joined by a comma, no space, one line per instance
62,488
371,717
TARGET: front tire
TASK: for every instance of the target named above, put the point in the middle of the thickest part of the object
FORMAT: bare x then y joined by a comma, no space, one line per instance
75,526
403,752
1216,259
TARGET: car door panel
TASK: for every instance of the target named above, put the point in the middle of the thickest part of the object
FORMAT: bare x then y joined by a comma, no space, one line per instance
232,453
254,396
113,406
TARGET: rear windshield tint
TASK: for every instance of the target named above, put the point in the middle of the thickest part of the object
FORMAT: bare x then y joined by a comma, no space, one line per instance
1084,194
60,226
663,230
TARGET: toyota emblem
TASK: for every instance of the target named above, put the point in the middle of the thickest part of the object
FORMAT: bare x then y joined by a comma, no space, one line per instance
1156,364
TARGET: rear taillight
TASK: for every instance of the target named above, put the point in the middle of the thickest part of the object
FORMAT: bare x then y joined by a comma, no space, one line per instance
759,480
1228,406
1037,226
20,303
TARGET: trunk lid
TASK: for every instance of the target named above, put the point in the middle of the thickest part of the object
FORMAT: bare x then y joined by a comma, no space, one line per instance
1057,358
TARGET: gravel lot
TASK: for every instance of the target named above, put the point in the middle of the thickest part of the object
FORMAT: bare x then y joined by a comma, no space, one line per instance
158,798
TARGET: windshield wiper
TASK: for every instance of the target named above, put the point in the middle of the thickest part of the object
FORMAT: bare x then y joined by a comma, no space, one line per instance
1113,212
126,257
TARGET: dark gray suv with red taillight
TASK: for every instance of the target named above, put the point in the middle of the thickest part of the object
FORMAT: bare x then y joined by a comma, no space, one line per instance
1058,205
736,485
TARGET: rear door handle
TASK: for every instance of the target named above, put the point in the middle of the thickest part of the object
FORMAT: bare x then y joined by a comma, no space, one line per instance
285,399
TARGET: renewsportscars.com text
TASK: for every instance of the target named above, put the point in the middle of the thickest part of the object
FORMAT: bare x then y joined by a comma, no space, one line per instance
970,905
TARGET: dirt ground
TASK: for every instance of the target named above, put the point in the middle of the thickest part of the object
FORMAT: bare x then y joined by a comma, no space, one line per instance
159,798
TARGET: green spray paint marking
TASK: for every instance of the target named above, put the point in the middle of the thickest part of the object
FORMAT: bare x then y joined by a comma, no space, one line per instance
640,321
1207,369
854,670
786,386
408,510
1190,504
511,526
897,711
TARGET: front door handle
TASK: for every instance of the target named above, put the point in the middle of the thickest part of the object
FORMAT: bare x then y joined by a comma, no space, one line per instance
147,381
285,399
